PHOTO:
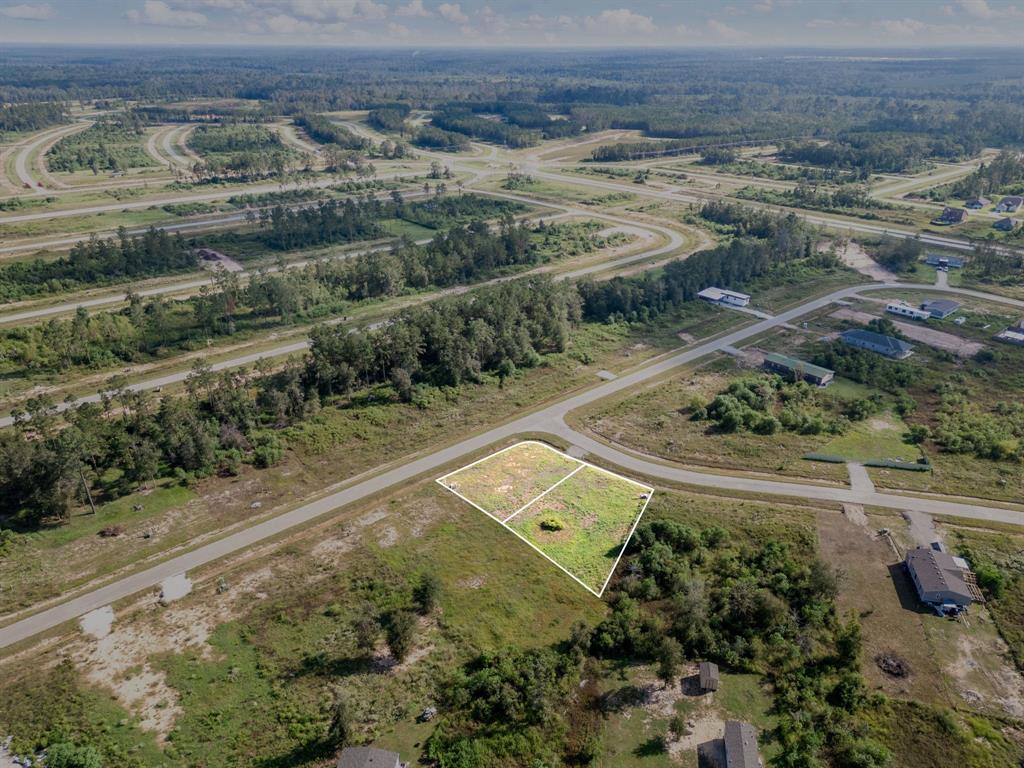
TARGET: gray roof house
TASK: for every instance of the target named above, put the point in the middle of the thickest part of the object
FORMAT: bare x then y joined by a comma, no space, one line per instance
707,672
937,260
941,580
977,203
1005,225
1010,204
897,349
741,745
940,308
952,215
368,757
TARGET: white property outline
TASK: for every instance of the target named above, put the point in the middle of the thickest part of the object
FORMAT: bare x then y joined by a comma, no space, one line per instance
649,492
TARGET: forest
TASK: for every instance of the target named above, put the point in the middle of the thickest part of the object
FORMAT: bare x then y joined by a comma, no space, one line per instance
31,117
112,144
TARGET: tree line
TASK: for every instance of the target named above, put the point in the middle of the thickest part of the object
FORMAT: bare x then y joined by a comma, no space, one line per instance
96,262
31,117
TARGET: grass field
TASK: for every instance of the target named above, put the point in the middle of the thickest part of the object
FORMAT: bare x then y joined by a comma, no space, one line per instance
577,515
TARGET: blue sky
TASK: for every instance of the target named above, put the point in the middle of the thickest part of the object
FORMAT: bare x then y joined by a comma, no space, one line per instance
518,23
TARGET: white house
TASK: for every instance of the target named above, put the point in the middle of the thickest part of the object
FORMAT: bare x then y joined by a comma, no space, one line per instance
722,296
905,310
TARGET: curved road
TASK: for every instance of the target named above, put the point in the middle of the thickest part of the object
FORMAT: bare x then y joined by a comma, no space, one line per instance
550,419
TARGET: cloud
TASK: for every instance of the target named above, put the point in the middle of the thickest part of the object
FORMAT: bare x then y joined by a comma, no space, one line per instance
160,14
621,20
28,11
452,12
820,23
398,31
326,10
979,9
725,33
906,27
413,9
764,6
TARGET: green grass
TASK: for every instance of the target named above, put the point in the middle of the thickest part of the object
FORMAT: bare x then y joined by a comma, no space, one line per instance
877,437
598,510
37,566
504,482
410,229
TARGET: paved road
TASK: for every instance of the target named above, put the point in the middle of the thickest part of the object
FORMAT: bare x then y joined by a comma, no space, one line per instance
675,241
550,419
21,160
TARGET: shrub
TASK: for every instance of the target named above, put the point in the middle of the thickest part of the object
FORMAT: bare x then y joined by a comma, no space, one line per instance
552,524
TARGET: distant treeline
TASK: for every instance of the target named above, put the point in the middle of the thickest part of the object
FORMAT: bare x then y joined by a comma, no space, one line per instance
31,117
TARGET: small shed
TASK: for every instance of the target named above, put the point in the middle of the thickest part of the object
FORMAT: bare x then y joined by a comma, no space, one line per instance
978,203
368,757
707,672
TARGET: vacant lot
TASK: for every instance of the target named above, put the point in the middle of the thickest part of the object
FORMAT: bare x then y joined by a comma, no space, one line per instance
577,515
510,479
583,523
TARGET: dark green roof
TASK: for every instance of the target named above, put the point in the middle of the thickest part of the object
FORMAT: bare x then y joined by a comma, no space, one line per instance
795,364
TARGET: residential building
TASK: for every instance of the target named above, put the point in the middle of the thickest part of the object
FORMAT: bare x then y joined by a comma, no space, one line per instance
953,215
796,369
941,580
948,262
707,673
940,308
368,757
1010,204
741,745
1005,225
905,310
723,296
897,349
977,203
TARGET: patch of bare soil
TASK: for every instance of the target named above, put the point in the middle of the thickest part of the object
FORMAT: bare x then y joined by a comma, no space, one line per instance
875,586
982,663
120,660
854,256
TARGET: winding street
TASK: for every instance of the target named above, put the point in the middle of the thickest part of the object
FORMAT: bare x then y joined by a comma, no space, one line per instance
550,420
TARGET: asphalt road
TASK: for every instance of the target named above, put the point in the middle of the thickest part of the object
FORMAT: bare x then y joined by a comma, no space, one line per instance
550,419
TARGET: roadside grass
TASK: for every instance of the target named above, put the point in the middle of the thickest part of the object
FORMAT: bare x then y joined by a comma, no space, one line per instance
506,481
583,523
34,567
877,437
261,689
352,436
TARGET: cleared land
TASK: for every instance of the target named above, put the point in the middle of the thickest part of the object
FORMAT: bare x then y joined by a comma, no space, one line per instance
577,515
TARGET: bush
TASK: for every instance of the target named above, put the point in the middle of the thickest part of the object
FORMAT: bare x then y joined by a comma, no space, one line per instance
65,755
268,451
552,524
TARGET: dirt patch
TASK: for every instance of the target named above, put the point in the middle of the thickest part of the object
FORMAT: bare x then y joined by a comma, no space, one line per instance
874,585
854,256
983,674
120,661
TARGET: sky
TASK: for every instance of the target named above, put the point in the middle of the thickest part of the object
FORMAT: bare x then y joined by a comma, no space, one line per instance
518,23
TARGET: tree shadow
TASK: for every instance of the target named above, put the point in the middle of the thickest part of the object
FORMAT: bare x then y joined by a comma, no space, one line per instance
905,590
311,752
652,747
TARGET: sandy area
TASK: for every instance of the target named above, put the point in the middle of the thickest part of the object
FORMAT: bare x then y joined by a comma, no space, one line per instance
933,338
